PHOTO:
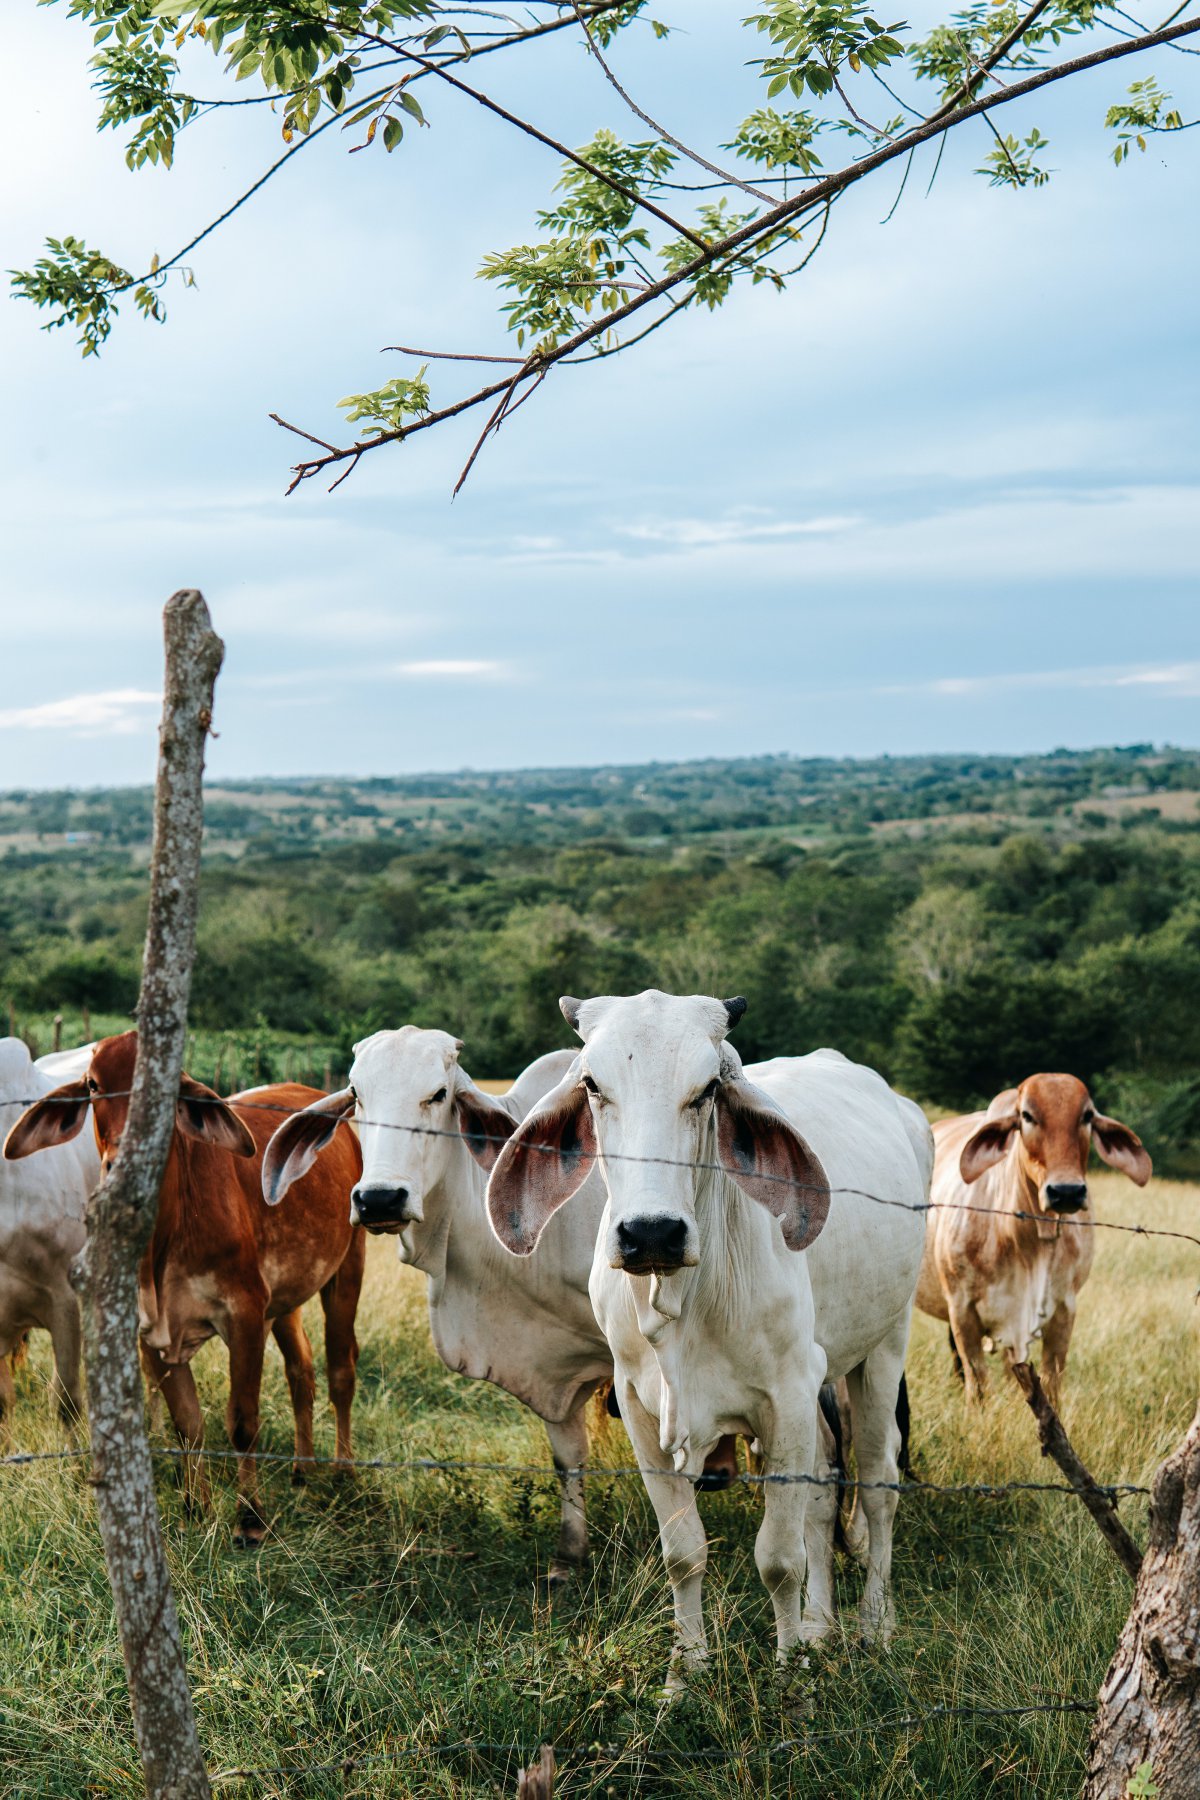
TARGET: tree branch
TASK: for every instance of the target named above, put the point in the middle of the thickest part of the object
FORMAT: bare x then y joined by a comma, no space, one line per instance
936,125
1057,1445
631,103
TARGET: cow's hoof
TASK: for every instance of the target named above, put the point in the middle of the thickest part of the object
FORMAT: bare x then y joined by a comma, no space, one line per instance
560,1577
299,1478
249,1533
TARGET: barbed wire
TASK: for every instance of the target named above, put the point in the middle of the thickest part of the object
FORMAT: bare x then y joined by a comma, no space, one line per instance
589,1472
614,1754
1060,1220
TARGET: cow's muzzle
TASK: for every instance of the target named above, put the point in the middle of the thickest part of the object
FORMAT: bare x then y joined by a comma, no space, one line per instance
652,1246
1066,1196
383,1210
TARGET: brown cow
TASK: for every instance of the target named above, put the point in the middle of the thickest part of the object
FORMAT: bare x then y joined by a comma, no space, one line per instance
223,1263
992,1274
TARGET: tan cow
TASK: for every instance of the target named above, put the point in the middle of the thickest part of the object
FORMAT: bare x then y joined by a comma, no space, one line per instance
999,1278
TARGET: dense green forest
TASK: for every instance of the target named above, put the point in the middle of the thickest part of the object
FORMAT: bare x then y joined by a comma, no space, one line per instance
956,921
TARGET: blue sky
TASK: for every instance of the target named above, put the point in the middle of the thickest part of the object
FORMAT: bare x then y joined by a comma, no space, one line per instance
944,494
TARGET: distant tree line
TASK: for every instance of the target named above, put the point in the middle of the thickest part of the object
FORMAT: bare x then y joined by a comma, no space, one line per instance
955,963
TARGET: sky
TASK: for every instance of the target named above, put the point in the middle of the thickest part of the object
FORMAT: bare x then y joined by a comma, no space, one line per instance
944,494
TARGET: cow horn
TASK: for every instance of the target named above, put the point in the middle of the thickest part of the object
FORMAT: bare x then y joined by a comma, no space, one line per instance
734,1009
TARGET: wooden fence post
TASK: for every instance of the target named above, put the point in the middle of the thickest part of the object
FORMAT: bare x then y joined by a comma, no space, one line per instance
87,1024
58,1031
120,1219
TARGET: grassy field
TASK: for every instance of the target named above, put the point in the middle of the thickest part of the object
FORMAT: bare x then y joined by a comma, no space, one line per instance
389,1607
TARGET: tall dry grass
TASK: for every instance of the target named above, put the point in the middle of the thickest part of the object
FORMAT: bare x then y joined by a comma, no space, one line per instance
390,1608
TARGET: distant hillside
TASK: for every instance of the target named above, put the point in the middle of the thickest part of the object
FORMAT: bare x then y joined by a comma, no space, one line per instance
802,799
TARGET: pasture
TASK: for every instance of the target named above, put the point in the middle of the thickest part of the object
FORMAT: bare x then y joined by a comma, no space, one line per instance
390,1611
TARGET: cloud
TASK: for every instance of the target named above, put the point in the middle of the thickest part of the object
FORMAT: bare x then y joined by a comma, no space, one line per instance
119,712
696,534
1174,681
451,669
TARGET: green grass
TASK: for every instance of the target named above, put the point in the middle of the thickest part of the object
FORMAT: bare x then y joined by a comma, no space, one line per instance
387,1607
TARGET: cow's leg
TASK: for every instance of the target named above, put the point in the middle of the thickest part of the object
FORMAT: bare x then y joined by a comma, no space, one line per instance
8,1397
66,1337
569,1448
339,1298
781,1544
820,1526
1056,1340
684,1546
967,1333
247,1344
873,1389
292,1339
175,1384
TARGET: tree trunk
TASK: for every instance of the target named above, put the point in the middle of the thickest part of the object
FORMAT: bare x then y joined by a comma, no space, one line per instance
120,1220
1149,1715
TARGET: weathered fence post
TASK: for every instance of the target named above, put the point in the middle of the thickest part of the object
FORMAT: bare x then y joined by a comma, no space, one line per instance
58,1031
1149,1715
87,1024
120,1219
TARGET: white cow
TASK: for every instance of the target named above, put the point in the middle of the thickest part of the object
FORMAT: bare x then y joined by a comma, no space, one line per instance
716,1325
428,1137
41,1227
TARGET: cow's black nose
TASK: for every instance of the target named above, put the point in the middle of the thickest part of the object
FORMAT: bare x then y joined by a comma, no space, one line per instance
1066,1196
652,1243
377,1206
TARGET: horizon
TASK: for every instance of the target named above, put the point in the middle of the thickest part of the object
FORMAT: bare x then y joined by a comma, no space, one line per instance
1144,747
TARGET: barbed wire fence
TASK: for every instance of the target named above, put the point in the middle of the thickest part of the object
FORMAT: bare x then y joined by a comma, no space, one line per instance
612,1757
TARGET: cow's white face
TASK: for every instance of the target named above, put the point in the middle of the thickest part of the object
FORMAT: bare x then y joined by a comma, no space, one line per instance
651,1066
655,1092
404,1084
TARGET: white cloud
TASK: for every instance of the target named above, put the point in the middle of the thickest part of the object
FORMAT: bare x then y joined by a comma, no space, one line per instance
1176,681
695,534
119,712
451,669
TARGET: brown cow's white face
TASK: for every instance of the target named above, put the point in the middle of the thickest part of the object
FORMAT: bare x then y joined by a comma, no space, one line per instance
1054,1121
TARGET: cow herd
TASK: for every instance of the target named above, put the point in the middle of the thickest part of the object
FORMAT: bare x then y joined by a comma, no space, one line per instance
735,1251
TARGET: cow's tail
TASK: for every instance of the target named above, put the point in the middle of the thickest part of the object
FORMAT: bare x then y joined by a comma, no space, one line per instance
832,1414
904,1421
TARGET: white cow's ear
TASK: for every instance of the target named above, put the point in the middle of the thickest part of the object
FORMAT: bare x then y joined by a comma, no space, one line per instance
485,1126
770,1161
1121,1149
54,1119
988,1145
298,1142
569,1007
547,1159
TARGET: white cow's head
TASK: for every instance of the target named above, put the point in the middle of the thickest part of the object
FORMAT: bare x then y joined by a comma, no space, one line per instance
655,1091
412,1105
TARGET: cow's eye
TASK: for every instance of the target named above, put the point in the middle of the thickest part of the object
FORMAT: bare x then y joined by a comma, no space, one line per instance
436,1099
92,1085
1028,1117
1087,1118
704,1096
590,1085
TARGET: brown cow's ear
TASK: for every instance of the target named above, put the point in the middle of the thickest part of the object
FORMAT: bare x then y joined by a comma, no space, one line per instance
201,1113
767,1157
546,1160
1121,1149
54,1119
298,1142
987,1146
485,1126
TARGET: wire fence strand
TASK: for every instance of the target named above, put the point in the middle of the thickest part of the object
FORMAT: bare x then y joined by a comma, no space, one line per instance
1061,1221
432,1465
